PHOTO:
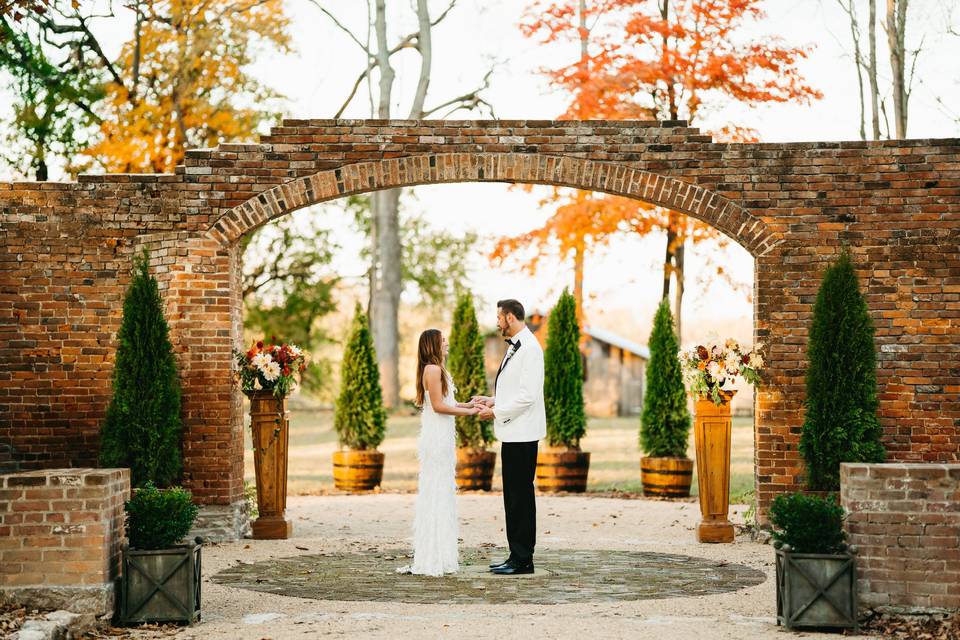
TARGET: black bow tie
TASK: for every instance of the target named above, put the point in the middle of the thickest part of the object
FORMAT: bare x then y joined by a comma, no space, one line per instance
516,344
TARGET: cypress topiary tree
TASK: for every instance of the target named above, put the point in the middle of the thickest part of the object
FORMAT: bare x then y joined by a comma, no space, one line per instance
142,426
665,421
841,422
465,364
563,376
360,419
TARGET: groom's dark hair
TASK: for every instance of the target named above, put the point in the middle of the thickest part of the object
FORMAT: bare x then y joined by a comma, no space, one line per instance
512,306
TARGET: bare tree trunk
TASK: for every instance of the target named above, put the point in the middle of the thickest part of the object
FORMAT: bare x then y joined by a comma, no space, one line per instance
849,7
385,298
678,294
872,72
425,46
578,261
668,258
895,26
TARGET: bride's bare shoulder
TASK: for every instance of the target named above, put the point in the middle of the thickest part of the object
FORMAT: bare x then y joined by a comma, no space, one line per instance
431,370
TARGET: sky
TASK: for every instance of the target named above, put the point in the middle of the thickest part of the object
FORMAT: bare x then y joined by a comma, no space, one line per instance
623,281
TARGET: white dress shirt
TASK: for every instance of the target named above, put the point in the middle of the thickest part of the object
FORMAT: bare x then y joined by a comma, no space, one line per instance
518,400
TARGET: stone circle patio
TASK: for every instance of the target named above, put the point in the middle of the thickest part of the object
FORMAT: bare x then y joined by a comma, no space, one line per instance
354,537
562,577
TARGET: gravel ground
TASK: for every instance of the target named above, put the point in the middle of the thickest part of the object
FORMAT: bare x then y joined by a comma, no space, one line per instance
373,523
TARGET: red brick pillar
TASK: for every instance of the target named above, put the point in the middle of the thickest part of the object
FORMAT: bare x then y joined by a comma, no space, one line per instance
61,531
200,281
905,521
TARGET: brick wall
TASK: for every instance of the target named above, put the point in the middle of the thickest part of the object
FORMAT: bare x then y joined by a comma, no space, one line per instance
65,254
61,531
905,521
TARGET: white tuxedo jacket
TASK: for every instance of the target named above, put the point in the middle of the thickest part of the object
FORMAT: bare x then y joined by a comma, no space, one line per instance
518,394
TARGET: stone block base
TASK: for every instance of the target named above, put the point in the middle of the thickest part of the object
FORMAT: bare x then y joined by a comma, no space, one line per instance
222,523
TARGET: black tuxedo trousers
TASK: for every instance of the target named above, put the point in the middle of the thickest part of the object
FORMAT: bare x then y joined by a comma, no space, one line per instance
518,464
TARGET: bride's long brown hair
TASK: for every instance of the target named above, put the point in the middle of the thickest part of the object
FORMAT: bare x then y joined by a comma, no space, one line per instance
430,351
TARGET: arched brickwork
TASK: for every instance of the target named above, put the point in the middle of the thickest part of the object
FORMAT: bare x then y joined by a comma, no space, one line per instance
66,249
607,177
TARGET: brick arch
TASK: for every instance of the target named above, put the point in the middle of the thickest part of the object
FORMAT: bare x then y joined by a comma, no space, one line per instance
533,168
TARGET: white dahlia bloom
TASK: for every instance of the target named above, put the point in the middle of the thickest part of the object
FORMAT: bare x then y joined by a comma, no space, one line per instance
261,360
715,370
271,371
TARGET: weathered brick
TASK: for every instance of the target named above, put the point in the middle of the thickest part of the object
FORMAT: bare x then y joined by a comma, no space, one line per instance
907,557
792,206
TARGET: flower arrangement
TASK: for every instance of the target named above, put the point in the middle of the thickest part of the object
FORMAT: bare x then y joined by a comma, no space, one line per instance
270,367
708,368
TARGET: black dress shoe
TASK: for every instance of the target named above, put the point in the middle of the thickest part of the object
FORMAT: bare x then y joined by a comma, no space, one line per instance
500,564
513,569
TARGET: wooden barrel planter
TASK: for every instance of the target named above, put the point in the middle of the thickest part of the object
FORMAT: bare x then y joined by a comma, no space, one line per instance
475,469
666,477
355,470
562,470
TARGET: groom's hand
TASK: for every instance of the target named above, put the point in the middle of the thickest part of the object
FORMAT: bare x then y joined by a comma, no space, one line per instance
484,400
486,413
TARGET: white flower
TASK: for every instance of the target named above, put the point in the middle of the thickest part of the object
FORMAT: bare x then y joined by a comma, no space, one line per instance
732,363
715,370
732,344
756,360
271,372
261,360
295,351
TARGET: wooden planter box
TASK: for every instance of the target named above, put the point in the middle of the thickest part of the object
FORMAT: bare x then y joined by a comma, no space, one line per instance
161,585
816,590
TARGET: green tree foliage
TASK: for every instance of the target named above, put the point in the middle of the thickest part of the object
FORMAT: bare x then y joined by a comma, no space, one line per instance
466,366
563,376
809,524
159,519
841,423
55,82
665,421
142,425
432,259
288,288
360,420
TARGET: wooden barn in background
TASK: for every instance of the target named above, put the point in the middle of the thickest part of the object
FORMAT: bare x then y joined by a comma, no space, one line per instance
614,368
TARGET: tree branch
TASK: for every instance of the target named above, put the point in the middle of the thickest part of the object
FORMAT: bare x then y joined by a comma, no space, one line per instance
350,34
353,91
468,100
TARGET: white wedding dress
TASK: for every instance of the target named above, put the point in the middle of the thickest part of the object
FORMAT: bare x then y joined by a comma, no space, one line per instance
435,526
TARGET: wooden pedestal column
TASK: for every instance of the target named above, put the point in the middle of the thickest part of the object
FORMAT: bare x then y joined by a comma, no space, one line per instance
712,436
270,425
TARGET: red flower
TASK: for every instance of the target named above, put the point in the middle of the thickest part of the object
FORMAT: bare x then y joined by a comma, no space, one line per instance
703,353
286,371
250,354
259,344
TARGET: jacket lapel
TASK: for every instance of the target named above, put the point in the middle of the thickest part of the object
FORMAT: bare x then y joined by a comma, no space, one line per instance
503,365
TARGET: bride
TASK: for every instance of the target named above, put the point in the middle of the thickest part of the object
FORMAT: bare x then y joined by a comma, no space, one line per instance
435,528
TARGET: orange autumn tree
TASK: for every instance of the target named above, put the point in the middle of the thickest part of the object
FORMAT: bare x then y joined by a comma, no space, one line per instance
181,81
665,60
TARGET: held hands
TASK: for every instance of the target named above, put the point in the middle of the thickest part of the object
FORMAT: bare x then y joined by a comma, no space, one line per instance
486,413
484,407
482,400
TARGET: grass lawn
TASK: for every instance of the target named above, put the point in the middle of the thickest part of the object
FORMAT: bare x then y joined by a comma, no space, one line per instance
612,442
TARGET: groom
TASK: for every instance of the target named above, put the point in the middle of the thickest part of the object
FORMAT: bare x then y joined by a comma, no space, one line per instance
520,421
